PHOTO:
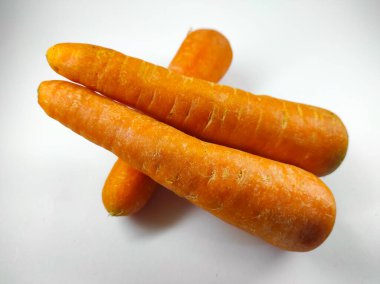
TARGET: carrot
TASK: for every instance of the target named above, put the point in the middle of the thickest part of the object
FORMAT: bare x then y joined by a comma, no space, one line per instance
284,205
126,190
204,54
308,137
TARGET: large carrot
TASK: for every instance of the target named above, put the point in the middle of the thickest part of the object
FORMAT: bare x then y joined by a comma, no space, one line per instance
285,205
309,137
204,54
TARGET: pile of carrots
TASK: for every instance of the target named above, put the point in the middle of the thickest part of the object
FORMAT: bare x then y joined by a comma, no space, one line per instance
248,159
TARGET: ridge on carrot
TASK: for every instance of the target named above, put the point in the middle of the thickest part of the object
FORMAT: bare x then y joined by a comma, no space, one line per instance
204,54
284,205
308,137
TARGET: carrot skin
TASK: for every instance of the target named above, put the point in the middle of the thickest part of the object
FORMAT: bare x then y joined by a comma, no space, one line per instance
308,137
126,190
204,54
284,205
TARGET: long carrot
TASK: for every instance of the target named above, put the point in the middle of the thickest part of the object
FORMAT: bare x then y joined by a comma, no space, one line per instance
285,205
204,54
309,137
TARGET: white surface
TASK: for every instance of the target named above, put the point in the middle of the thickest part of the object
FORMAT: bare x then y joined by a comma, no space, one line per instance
53,228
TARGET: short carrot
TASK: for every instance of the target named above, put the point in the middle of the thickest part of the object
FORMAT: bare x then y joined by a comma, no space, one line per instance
284,205
204,54
308,137
126,190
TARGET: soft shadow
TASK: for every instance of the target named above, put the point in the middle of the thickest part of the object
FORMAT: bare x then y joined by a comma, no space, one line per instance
225,234
350,256
247,254
347,251
163,211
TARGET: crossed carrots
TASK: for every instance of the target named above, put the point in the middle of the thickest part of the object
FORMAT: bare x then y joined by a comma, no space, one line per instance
256,181
204,54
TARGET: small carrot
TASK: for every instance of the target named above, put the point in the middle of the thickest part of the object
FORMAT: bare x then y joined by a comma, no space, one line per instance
308,137
126,190
204,54
284,205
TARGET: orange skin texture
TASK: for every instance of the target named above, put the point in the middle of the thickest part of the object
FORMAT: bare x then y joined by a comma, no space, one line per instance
284,205
126,190
309,137
204,54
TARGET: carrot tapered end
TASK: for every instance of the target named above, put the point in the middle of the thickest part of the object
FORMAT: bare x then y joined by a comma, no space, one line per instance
41,91
55,55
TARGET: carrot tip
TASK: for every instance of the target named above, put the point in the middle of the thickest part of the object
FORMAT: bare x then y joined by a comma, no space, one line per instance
50,52
40,92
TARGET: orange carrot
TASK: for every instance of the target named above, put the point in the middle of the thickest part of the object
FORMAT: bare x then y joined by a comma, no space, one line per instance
284,205
309,137
126,190
204,54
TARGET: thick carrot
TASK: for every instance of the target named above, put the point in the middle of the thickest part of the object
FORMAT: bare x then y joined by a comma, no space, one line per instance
309,137
285,205
204,54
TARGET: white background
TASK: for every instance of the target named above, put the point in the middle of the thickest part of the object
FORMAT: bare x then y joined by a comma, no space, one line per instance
53,227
